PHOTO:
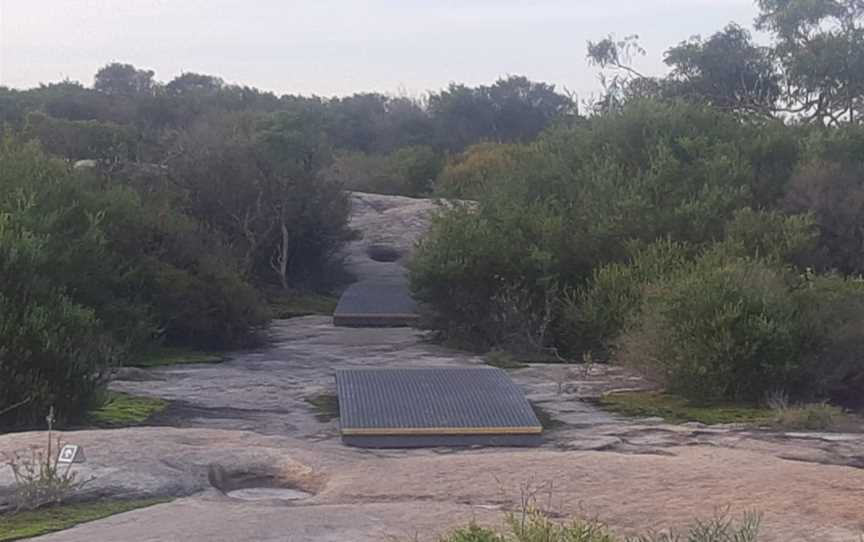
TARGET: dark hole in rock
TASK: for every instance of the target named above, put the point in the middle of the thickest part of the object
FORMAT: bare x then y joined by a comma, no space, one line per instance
251,486
383,253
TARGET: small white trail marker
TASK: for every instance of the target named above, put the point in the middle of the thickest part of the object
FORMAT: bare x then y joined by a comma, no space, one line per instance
71,453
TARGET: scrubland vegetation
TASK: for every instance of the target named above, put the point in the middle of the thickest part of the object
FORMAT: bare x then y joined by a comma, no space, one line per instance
704,227
139,218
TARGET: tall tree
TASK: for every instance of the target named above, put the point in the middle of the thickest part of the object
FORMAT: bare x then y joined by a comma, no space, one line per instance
727,70
820,44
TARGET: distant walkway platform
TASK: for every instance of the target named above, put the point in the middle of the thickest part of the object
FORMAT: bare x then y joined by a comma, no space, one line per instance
374,304
411,408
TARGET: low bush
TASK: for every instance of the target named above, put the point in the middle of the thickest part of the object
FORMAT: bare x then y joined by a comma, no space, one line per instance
594,314
724,330
472,173
409,171
730,328
812,417
53,351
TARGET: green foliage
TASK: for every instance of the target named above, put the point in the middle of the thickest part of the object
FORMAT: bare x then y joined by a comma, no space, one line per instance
53,351
771,235
580,198
736,329
48,520
254,182
92,267
471,173
121,409
831,309
727,70
820,46
473,533
409,171
594,314
326,406
676,409
811,417
834,194
725,330
533,525
79,140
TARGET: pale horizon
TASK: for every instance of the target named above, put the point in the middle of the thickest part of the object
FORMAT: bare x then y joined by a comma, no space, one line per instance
337,47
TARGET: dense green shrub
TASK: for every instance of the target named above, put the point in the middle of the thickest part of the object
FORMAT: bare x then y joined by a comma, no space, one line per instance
469,174
78,140
409,171
53,351
834,193
253,181
732,328
832,321
585,196
593,314
90,267
726,329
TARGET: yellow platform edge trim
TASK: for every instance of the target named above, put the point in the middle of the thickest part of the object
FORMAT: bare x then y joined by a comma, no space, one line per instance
527,430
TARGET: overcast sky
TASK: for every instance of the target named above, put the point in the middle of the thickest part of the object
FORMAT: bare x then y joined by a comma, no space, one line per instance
335,47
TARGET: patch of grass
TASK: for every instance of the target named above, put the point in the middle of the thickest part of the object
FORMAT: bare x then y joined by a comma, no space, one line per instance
503,360
284,306
812,417
326,406
57,518
167,356
122,409
675,409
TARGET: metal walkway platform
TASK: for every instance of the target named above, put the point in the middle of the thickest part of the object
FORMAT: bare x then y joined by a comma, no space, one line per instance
369,304
409,408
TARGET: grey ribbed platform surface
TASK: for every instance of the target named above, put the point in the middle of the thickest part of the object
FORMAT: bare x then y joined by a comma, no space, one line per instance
376,304
434,407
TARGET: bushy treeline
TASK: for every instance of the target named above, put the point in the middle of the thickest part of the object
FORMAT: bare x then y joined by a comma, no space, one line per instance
384,143
716,253
136,213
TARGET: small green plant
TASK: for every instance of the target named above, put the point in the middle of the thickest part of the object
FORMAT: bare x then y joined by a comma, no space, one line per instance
473,533
122,409
326,406
40,479
720,528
